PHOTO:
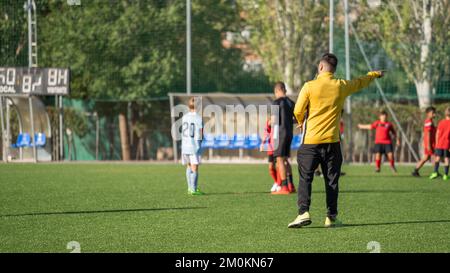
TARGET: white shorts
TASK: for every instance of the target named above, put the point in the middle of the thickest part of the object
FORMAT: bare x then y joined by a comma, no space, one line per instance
190,159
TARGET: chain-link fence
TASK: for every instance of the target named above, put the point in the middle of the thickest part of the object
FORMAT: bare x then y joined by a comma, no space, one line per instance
126,56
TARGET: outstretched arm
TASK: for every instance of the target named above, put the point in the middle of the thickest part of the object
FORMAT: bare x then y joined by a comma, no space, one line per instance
365,126
353,86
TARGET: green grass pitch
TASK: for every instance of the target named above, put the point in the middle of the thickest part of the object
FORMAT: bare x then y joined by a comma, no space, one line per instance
145,208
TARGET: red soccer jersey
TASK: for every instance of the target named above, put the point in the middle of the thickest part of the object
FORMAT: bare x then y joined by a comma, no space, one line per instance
443,135
268,138
382,134
429,127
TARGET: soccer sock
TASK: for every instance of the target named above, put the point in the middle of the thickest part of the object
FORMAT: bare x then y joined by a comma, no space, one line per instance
188,178
194,179
278,179
446,169
273,173
436,167
392,163
378,163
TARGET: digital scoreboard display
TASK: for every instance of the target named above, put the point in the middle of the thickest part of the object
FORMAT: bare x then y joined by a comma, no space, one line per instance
34,81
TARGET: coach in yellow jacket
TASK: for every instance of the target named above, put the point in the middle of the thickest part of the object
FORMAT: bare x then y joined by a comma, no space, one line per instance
320,102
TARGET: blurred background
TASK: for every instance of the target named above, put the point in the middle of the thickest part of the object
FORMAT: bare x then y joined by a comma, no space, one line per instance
128,57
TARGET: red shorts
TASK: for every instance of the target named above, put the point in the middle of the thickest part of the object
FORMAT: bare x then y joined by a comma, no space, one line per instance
429,151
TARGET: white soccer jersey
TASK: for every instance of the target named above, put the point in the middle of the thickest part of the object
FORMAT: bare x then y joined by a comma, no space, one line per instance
191,133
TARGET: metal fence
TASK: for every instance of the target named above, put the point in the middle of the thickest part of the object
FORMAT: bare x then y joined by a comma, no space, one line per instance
125,57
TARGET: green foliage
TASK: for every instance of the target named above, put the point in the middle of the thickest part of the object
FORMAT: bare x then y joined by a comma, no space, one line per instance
12,34
401,26
289,35
130,50
122,50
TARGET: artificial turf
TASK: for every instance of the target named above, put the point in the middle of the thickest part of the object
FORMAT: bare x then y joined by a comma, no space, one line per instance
145,208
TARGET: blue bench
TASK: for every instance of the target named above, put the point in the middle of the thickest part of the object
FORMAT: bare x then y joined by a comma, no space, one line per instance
40,140
253,142
208,141
239,141
296,142
24,140
222,142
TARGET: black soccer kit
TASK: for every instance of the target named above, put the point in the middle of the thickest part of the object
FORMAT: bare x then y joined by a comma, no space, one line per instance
285,127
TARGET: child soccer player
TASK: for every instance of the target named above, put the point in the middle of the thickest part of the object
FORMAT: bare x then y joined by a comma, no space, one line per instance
383,139
283,129
267,144
442,146
429,139
191,136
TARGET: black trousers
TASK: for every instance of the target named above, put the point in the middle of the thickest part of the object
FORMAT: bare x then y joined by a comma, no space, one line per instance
329,157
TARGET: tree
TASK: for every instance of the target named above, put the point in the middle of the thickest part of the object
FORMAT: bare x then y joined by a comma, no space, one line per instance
215,67
289,35
13,29
123,50
413,33
130,51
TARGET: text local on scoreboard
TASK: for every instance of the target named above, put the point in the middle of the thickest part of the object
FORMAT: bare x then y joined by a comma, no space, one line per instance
34,81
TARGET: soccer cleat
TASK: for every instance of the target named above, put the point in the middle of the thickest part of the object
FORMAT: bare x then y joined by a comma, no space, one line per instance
434,175
394,170
283,191
301,221
275,187
332,222
415,173
197,192
445,177
291,188
377,170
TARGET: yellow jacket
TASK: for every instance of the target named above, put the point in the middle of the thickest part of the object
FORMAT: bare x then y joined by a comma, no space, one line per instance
322,100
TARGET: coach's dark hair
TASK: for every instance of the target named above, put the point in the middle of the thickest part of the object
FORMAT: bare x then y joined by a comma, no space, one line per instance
330,59
383,113
430,109
281,86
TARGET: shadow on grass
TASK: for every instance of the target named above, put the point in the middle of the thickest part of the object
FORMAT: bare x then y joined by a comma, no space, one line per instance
388,223
383,175
323,192
380,191
97,211
237,193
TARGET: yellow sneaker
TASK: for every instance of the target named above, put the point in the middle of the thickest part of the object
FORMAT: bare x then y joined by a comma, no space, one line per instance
332,222
301,221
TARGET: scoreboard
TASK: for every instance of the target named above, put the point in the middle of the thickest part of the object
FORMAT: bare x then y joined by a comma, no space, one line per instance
34,81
